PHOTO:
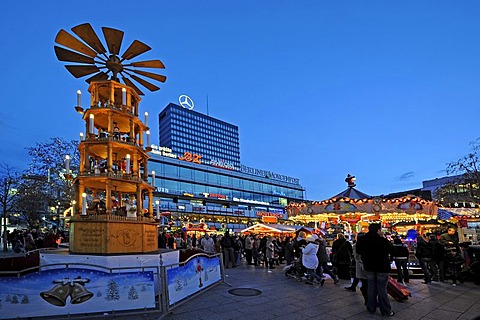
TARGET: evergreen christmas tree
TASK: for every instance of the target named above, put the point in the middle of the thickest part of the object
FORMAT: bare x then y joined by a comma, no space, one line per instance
14,299
132,294
8,298
112,293
179,284
25,299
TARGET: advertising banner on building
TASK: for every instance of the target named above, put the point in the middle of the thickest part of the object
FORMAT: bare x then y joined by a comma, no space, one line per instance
74,291
197,274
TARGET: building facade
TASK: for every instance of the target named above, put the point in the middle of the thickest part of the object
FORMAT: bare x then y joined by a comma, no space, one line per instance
183,130
199,179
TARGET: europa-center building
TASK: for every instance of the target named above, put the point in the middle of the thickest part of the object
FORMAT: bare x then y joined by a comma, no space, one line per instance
199,179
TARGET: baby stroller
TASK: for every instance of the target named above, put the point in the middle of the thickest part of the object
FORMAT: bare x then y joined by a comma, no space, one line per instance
295,270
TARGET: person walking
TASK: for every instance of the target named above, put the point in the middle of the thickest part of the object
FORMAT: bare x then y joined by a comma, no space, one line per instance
353,270
360,272
400,256
453,256
342,256
289,254
375,251
437,264
424,254
238,248
207,244
228,251
269,253
248,249
299,243
310,260
323,258
256,250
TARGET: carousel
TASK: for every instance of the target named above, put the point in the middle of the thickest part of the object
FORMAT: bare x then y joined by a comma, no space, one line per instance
352,211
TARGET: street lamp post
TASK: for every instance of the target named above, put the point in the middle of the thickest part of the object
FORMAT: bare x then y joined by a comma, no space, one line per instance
7,184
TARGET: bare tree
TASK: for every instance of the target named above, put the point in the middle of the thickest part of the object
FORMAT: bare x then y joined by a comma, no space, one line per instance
49,164
34,200
465,186
9,179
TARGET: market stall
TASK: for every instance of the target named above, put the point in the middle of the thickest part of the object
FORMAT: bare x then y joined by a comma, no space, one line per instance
270,229
355,210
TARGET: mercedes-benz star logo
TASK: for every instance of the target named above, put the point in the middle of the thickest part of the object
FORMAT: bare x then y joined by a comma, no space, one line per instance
186,102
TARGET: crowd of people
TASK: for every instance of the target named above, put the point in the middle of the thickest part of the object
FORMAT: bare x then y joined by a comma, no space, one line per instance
367,259
22,241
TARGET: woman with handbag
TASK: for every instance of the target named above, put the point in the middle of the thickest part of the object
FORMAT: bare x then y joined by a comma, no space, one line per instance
342,256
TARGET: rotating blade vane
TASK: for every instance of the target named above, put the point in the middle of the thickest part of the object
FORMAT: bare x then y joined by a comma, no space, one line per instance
82,70
87,34
148,64
129,83
67,40
101,62
114,39
70,56
135,49
150,75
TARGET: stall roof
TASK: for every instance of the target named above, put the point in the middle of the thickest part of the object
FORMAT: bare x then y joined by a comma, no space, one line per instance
279,228
352,193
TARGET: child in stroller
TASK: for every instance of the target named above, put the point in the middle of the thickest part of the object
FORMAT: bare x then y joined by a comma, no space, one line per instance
295,270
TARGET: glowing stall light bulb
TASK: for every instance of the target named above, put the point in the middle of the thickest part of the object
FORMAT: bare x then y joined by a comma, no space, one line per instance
84,204
79,98
146,119
81,136
157,205
128,163
153,178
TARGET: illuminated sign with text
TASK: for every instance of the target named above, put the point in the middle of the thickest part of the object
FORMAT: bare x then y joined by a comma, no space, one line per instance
191,157
163,151
268,174
222,164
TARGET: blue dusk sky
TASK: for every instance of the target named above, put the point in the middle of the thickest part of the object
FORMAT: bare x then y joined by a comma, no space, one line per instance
388,91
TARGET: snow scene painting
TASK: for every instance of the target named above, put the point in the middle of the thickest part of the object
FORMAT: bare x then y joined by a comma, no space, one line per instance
72,291
197,274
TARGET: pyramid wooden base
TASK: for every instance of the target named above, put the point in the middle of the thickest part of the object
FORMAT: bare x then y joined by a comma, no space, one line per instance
106,234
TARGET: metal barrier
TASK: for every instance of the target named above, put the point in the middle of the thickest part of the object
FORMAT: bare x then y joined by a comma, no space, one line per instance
168,304
68,285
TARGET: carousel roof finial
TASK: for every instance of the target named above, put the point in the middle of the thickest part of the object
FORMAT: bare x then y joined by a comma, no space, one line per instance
350,180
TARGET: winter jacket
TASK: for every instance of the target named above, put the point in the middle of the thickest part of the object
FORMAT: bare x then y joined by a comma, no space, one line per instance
438,250
322,251
270,249
375,252
343,251
248,243
297,246
400,252
360,272
309,256
424,250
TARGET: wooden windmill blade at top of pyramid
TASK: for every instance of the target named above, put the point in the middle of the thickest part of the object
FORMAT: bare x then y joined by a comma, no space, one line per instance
91,57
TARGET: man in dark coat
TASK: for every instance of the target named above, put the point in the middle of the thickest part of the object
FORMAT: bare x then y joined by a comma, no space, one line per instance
342,253
376,252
